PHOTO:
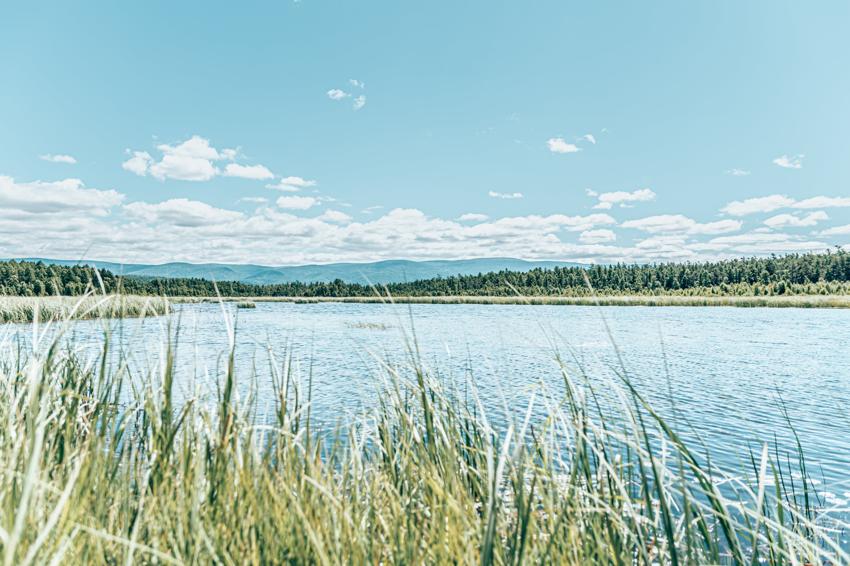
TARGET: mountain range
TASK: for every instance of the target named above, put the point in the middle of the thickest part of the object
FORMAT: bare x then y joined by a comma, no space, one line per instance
389,271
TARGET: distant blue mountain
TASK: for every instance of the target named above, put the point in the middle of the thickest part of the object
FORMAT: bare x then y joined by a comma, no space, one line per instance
390,271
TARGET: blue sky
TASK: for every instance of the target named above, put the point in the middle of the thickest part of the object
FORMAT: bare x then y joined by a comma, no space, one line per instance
619,130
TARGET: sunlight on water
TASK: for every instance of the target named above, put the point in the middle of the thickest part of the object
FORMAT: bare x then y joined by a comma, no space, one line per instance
720,374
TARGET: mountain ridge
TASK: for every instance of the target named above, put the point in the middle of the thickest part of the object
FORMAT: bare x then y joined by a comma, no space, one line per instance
379,272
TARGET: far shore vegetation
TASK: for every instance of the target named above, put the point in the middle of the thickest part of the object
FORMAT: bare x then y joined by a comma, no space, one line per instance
796,280
790,301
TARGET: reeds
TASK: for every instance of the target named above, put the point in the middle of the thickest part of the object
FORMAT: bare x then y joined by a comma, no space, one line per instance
103,466
28,309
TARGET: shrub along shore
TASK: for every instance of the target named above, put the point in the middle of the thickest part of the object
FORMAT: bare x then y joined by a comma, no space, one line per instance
788,301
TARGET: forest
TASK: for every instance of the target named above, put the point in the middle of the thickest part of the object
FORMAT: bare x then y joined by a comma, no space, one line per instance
798,274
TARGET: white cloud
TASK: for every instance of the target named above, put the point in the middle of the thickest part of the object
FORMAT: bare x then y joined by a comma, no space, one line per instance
758,204
292,184
738,172
775,202
335,216
181,212
622,198
359,102
597,236
255,200
494,194
765,243
792,221
589,137
139,163
337,94
356,83
66,196
297,203
836,231
823,202
191,160
58,158
472,217
680,223
790,162
69,220
257,172
559,145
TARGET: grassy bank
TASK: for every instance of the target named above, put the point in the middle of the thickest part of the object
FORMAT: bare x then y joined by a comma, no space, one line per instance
91,476
27,309
798,301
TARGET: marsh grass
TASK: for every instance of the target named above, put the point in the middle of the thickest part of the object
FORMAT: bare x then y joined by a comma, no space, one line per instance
57,308
101,465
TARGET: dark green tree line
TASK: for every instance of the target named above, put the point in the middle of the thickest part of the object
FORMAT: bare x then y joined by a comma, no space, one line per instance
794,273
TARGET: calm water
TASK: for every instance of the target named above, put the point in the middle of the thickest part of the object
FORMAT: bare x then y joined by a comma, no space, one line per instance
727,368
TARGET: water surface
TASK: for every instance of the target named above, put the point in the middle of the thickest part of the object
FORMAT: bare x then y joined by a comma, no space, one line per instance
721,373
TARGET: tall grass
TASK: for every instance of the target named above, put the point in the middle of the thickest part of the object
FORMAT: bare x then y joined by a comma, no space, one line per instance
28,309
103,466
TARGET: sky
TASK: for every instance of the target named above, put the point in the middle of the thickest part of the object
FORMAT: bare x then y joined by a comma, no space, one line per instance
312,131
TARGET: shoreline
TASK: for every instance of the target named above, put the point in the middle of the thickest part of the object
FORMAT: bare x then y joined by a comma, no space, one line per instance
771,301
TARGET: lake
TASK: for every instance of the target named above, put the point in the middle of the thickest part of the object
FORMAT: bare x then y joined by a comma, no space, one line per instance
718,373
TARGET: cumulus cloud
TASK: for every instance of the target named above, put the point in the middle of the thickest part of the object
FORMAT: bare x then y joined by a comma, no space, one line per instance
191,160
823,202
292,184
560,145
597,236
758,204
836,231
334,216
589,137
297,203
680,223
337,94
738,172
71,220
138,163
790,162
68,195
58,158
621,198
775,202
181,212
258,172
494,194
792,221
356,83
765,243
255,200
359,102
